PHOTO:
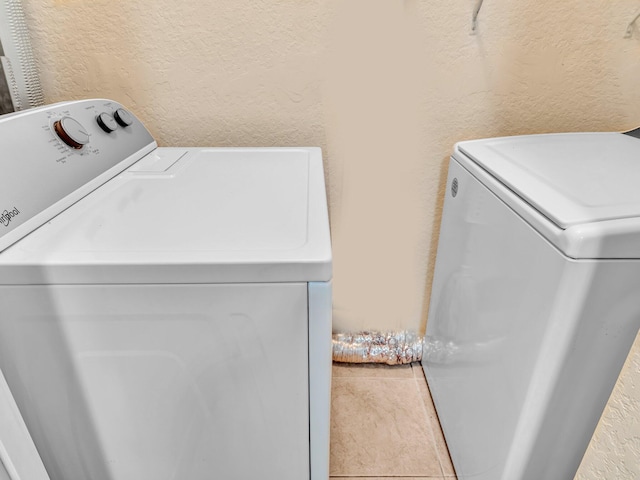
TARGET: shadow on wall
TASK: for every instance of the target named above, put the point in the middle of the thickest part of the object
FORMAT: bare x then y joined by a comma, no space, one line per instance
435,234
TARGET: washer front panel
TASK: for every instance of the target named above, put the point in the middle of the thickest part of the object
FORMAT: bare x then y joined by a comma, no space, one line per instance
161,382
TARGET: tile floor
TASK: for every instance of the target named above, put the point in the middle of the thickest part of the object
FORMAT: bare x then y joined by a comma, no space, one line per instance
384,425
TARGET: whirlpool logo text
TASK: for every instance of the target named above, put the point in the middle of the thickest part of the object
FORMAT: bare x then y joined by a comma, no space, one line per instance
8,215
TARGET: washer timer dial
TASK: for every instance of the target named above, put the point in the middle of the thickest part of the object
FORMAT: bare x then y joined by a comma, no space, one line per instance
71,132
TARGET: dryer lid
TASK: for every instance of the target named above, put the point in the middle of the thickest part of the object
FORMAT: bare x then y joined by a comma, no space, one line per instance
570,178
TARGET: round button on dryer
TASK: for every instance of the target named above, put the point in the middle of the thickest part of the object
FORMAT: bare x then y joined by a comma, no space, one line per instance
71,132
106,122
123,117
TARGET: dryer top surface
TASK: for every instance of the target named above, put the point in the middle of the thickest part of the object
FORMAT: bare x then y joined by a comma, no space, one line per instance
570,178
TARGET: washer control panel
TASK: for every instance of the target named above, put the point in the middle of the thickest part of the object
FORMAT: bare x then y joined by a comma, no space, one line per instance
54,155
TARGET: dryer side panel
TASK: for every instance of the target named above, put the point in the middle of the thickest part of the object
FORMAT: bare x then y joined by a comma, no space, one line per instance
494,289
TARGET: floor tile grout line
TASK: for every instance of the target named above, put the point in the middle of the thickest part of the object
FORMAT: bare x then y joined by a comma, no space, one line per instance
416,378
454,476
426,412
423,378
436,477
407,384
374,376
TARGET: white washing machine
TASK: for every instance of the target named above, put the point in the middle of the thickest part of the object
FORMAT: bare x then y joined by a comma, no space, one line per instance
534,306
166,312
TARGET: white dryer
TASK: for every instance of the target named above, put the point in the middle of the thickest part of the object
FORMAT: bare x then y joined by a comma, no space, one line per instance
166,312
534,305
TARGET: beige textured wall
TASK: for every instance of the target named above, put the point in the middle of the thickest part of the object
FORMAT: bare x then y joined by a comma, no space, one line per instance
385,87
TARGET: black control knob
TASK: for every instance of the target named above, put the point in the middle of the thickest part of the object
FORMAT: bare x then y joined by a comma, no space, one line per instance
106,122
123,117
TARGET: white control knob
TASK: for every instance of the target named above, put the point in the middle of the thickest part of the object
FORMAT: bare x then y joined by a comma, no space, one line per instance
123,117
106,122
71,132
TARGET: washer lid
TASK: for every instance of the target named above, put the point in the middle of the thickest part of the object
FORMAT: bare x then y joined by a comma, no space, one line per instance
570,178
189,216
